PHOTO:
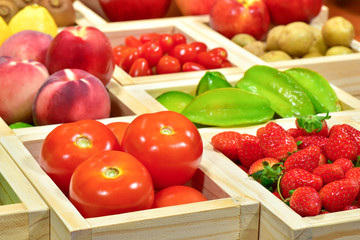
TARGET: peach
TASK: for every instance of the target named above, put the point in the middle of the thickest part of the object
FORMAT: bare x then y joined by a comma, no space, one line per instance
27,45
19,82
70,95
82,47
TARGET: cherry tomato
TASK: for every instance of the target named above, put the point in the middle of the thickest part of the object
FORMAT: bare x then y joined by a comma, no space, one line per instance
118,128
117,52
166,42
221,52
209,60
168,64
140,68
192,66
127,57
184,52
178,38
168,144
176,195
69,144
132,41
111,182
146,37
226,64
152,52
199,46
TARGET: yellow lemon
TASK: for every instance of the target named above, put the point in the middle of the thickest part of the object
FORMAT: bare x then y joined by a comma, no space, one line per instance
33,17
4,31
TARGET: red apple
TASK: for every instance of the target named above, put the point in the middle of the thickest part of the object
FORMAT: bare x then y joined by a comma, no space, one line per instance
284,11
230,17
194,7
27,45
82,47
70,95
20,80
124,10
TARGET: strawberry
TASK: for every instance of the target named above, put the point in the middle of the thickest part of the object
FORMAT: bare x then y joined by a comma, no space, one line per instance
313,125
266,171
350,207
227,143
306,201
249,150
354,173
275,141
329,172
340,144
335,196
344,163
295,132
307,159
296,178
322,159
354,133
305,141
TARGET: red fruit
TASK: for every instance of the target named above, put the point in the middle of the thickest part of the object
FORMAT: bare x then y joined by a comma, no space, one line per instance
354,133
307,141
299,177
306,201
276,193
322,159
140,67
227,143
249,149
350,207
307,159
275,141
152,52
258,165
338,194
295,132
344,163
329,172
266,171
341,144
354,174
313,125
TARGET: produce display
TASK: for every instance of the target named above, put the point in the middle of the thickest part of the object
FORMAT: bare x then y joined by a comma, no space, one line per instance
154,53
311,166
262,94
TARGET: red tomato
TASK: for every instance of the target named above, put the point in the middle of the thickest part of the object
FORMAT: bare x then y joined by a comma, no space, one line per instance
199,46
226,64
146,37
152,52
209,60
183,52
132,41
221,52
168,144
117,52
168,64
111,182
192,66
166,42
140,68
118,128
69,144
127,57
178,38
176,195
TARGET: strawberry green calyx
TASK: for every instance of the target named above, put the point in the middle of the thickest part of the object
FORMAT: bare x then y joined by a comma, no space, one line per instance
312,123
268,177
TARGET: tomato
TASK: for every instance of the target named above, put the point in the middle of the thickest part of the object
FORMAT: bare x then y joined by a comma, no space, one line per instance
209,60
166,42
192,66
226,64
199,46
126,57
146,37
176,195
140,68
111,182
221,52
178,38
168,64
132,41
183,52
167,143
69,144
118,129
152,52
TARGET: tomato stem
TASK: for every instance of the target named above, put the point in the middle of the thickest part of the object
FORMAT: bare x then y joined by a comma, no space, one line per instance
111,172
166,130
83,142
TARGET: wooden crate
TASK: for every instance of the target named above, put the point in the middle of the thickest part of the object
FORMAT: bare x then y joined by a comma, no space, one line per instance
23,213
84,16
146,93
224,216
118,31
277,220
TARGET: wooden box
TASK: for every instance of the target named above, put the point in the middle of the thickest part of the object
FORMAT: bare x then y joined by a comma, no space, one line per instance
146,93
23,213
277,220
228,214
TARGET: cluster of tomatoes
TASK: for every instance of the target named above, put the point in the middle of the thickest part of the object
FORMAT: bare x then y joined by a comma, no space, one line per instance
121,167
154,53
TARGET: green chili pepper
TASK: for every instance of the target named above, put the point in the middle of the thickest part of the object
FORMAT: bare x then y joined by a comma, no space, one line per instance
320,92
286,97
226,107
212,80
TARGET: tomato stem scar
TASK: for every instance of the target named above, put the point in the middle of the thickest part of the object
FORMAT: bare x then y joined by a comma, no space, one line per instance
166,130
83,142
111,172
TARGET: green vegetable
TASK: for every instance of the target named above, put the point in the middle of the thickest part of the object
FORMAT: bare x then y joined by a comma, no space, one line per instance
175,100
20,125
320,92
212,80
286,97
226,107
